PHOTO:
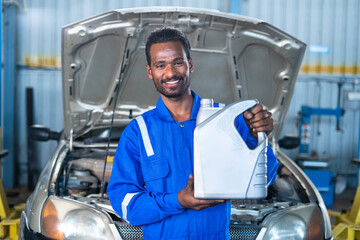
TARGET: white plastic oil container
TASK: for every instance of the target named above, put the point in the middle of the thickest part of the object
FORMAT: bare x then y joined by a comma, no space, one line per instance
224,166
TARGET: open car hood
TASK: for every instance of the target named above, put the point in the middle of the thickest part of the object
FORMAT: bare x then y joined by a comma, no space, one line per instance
235,58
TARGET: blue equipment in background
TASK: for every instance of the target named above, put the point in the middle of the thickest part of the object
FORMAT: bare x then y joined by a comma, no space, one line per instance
315,167
324,181
305,129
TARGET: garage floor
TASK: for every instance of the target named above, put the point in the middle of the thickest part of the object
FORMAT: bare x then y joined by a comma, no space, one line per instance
344,201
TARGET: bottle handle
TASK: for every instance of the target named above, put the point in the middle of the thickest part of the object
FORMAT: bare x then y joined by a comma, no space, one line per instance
238,108
261,137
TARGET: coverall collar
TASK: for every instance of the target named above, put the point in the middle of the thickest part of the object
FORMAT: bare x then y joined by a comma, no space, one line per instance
164,114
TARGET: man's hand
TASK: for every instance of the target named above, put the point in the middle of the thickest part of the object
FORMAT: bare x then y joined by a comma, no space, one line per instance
187,200
259,120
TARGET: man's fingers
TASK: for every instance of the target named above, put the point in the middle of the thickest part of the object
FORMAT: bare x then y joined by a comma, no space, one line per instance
268,122
262,129
202,204
248,115
211,202
214,202
191,182
186,197
255,111
261,116
258,108
262,126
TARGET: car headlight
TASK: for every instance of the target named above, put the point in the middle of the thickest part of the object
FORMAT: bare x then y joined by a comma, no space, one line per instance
65,219
296,223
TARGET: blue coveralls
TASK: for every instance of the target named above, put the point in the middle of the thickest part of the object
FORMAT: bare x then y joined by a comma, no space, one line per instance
148,173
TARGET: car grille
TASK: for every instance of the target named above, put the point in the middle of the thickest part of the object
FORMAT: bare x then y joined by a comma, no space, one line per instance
243,232
129,232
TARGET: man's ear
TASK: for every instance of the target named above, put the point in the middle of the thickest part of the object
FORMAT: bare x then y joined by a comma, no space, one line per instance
191,65
148,70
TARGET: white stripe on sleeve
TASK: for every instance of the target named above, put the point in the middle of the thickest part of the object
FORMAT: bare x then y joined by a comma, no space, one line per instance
145,136
125,203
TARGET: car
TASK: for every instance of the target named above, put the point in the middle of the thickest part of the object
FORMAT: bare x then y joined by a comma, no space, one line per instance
105,86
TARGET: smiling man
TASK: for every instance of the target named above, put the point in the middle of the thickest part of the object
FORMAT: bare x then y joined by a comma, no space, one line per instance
171,82
151,182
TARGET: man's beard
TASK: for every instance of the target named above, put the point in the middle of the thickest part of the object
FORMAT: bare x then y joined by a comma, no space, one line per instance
173,94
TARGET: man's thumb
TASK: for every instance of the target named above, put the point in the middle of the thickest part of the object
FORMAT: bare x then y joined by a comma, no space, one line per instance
191,181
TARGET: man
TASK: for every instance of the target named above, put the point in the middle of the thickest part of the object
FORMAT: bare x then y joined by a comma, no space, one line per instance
151,182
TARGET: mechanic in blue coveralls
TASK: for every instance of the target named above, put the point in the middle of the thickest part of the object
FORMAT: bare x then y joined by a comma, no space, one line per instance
151,182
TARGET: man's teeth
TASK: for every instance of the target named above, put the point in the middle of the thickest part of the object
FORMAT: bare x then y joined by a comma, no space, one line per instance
172,82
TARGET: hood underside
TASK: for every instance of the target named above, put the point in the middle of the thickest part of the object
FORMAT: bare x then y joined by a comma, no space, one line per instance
235,58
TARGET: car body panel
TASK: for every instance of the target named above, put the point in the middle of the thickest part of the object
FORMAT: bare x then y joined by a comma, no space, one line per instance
236,58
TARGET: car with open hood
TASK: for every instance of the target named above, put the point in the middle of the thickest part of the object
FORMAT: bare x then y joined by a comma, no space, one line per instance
105,86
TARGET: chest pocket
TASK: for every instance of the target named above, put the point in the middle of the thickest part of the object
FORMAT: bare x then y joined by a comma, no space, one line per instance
153,166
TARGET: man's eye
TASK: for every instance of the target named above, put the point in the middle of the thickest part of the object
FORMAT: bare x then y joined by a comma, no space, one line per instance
161,66
179,63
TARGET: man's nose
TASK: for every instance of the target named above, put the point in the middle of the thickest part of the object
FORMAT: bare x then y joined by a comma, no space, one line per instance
169,71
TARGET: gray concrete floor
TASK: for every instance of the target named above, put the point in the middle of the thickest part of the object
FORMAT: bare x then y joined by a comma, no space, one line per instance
344,201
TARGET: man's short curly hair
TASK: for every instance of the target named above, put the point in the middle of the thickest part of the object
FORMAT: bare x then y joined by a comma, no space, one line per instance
166,34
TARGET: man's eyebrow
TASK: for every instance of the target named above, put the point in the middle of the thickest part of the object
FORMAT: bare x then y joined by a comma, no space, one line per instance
178,58
158,62
175,59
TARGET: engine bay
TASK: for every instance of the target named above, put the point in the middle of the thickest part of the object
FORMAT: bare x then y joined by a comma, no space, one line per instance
82,172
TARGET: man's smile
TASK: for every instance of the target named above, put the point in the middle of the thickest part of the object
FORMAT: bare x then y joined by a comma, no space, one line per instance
172,82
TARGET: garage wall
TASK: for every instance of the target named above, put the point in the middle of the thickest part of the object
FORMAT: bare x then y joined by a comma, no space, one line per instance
48,111
331,28
39,62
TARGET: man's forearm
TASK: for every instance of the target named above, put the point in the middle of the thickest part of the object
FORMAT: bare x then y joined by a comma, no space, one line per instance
142,207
